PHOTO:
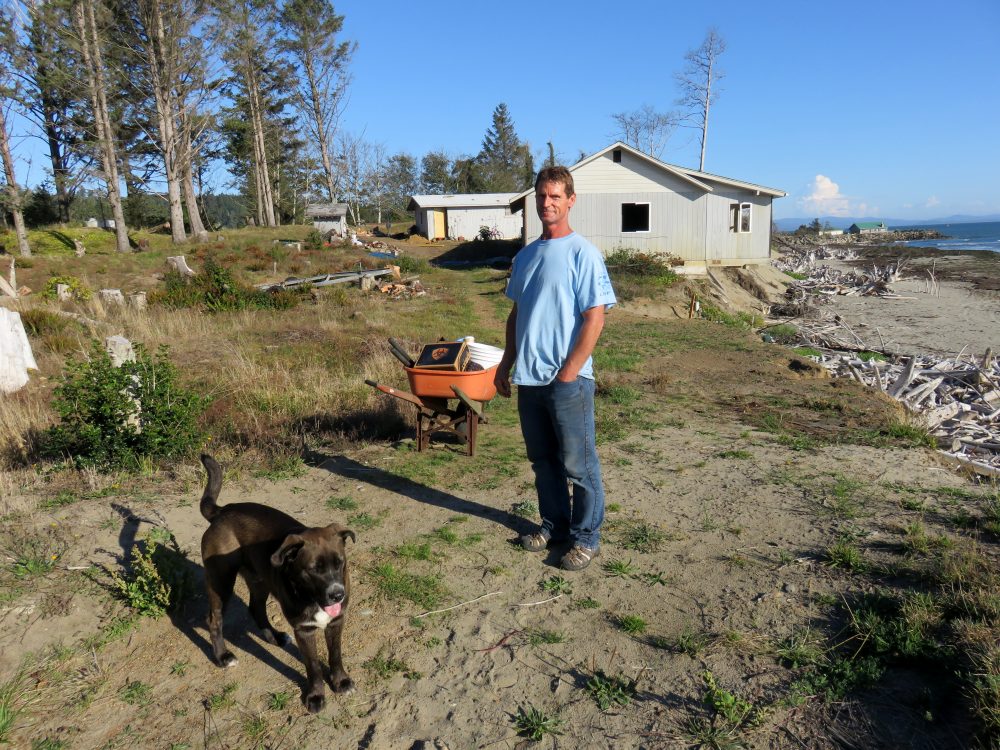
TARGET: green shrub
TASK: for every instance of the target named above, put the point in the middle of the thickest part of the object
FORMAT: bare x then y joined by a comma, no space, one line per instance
158,579
741,320
314,240
113,417
636,273
215,289
77,288
409,264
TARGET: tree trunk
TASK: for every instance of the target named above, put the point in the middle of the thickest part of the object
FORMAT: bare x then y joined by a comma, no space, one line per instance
321,134
266,197
15,196
86,26
704,122
60,172
163,97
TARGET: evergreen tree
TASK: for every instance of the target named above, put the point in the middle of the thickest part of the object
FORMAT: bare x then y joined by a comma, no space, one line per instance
400,183
435,173
505,163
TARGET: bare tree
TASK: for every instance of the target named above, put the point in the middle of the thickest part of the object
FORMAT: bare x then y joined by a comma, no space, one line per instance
646,129
354,157
699,82
310,39
90,40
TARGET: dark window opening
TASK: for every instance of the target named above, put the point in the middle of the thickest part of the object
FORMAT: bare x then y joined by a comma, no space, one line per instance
616,156
635,217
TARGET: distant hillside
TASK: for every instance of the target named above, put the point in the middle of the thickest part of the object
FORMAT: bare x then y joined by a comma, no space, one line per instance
843,222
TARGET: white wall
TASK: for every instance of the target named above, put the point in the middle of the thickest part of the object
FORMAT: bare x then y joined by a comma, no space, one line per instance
465,222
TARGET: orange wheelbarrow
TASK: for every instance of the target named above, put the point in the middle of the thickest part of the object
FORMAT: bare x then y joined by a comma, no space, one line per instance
431,392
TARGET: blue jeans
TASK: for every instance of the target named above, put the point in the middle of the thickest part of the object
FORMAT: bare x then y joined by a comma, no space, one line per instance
557,421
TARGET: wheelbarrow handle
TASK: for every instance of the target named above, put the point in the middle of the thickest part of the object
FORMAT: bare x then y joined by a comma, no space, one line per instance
400,353
404,395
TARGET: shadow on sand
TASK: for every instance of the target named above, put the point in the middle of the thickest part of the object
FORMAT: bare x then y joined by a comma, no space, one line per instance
349,468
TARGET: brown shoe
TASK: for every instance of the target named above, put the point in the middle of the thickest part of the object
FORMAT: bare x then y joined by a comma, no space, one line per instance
536,542
578,557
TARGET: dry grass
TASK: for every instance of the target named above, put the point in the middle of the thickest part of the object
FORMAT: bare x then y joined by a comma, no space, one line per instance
273,377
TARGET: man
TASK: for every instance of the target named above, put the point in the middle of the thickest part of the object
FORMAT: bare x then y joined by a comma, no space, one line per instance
560,288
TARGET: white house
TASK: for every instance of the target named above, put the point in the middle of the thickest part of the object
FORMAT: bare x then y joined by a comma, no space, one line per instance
327,216
461,216
628,199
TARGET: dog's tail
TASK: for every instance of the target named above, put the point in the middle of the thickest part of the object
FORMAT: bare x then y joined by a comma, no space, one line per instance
208,507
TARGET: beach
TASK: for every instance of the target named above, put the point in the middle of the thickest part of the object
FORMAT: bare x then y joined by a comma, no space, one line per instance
947,303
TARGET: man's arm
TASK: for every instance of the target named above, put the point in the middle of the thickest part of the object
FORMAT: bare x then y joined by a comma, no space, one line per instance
593,324
502,378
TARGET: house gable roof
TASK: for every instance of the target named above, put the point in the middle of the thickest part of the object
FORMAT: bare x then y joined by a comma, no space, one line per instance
700,180
461,200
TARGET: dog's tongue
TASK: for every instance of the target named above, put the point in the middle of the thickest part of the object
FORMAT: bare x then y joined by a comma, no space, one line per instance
333,610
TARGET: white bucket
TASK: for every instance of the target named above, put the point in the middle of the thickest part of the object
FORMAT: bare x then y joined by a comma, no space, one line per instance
485,355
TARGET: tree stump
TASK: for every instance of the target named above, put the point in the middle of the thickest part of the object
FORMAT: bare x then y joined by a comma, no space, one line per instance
112,297
137,300
180,265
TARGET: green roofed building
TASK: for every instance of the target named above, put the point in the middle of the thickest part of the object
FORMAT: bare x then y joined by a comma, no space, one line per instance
868,227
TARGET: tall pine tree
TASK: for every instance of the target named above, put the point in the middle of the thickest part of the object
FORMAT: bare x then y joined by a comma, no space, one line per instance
505,164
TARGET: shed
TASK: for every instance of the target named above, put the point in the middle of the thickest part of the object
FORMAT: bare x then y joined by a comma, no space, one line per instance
868,227
328,216
461,216
628,199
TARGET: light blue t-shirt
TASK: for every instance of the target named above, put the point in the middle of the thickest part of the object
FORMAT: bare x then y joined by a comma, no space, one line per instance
553,282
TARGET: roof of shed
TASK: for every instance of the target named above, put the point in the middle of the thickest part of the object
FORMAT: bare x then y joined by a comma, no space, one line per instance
326,209
869,224
461,200
691,176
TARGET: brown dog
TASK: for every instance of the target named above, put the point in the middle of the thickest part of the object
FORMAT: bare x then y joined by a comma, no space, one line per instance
305,569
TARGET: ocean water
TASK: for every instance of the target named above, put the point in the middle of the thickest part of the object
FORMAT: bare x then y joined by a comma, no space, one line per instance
971,236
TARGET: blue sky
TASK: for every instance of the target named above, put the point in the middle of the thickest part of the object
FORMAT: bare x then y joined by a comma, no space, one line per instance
852,108
879,109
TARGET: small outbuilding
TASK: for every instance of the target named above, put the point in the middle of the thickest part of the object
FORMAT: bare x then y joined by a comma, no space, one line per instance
628,199
462,216
327,217
868,227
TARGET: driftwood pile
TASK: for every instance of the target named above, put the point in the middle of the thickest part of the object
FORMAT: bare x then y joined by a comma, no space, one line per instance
956,398
824,280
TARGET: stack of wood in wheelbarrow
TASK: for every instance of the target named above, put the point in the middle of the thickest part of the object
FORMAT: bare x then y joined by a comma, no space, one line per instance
447,370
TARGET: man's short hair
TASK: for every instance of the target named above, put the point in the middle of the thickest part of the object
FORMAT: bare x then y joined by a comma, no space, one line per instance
556,174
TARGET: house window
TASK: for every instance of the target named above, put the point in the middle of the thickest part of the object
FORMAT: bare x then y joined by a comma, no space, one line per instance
743,224
635,217
616,156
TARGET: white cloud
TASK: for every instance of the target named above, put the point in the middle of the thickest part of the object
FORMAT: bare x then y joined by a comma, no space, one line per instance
823,198
931,202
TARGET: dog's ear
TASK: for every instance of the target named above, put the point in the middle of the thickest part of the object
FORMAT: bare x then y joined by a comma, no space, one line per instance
344,532
288,550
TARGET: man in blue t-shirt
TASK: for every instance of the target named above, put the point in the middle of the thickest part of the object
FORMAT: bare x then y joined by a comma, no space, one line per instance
560,288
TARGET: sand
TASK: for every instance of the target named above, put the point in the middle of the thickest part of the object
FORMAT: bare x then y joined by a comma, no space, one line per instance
942,319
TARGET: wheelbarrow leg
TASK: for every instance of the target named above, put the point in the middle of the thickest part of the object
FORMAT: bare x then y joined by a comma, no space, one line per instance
471,423
423,431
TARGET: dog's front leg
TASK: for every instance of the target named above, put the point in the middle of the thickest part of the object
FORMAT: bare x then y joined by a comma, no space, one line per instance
313,695
340,681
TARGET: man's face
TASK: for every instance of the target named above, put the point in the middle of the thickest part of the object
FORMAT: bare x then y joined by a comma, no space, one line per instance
553,204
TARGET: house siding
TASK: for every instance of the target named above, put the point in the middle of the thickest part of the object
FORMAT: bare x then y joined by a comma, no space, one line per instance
465,222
